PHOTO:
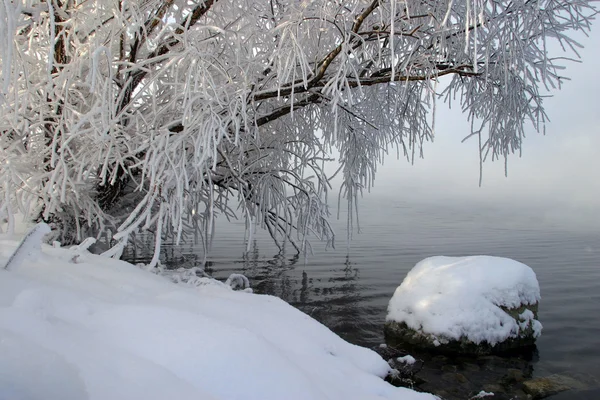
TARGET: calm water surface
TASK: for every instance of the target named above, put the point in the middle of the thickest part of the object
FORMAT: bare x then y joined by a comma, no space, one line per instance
348,290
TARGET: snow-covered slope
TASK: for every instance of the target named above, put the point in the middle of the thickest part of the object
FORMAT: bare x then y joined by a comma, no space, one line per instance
89,327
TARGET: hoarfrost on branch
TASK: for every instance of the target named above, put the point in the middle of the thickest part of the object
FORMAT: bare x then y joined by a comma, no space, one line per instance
160,115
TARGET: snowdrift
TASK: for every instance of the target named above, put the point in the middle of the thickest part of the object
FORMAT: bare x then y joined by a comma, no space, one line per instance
79,326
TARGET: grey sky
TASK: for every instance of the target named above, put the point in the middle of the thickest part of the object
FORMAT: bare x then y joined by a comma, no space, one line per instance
557,171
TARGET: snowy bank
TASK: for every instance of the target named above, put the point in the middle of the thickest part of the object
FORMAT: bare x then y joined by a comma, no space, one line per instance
88,327
475,304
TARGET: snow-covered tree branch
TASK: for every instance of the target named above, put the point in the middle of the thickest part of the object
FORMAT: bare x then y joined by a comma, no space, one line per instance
161,115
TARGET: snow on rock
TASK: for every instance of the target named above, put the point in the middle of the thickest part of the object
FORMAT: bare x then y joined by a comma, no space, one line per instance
407,359
482,394
458,298
105,329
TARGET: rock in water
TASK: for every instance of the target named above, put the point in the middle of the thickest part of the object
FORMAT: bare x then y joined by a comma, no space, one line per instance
467,305
540,388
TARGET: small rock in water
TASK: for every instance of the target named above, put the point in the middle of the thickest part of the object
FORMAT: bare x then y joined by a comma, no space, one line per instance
540,388
449,368
514,375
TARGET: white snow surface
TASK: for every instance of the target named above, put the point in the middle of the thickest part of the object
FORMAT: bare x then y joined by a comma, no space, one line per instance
453,297
407,359
482,395
29,247
99,328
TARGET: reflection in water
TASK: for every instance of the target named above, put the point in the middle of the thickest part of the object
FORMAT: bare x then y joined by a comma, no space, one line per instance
333,298
268,276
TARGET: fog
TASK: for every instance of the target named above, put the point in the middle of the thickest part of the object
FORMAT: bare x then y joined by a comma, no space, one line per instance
557,175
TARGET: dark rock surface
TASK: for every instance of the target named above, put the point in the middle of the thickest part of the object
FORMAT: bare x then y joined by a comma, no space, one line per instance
541,388
401,335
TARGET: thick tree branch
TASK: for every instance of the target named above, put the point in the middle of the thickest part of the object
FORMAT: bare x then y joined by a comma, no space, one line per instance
322,65
353,82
